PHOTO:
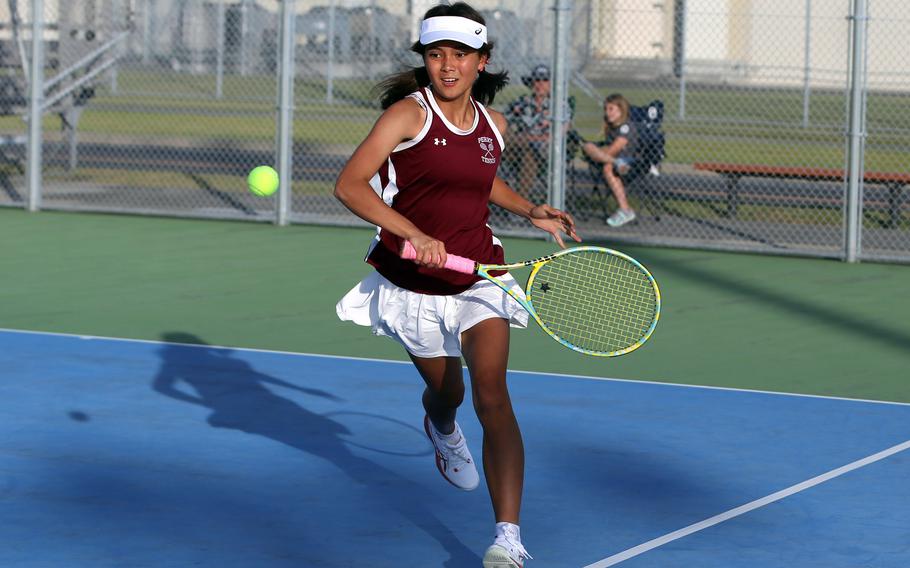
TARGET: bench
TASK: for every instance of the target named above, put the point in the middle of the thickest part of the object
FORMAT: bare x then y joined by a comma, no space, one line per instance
895,182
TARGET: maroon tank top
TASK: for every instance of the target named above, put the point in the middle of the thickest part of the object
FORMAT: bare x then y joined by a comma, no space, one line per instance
441,181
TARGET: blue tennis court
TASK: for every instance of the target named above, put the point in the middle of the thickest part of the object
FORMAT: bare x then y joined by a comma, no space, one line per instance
140,453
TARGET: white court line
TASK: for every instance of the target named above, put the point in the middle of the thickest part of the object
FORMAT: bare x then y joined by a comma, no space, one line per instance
199,345
396,362
717,519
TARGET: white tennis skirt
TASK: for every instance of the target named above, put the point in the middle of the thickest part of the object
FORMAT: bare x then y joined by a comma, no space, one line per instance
428,325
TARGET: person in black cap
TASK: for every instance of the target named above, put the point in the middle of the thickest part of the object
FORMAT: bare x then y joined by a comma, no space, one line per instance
529,128
539,73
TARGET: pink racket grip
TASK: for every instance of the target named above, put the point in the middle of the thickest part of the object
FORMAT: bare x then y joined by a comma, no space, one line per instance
453,261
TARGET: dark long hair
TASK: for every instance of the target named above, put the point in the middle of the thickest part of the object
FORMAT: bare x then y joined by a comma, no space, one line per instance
396,87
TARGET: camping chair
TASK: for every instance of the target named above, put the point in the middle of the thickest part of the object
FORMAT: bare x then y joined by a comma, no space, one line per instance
642,177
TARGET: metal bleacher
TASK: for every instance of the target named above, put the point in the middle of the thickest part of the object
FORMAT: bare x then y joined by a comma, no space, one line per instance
76,57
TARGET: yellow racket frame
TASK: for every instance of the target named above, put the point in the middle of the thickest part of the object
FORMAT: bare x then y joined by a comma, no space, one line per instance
483,270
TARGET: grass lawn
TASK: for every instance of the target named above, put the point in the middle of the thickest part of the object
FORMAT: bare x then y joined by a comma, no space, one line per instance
724,125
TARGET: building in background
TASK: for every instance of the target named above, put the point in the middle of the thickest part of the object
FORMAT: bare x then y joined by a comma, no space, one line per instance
760,42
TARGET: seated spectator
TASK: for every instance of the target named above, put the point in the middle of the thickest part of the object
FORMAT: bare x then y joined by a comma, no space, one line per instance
617,154
529,129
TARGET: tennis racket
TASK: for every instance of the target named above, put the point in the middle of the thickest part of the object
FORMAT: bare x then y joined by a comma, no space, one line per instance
593,300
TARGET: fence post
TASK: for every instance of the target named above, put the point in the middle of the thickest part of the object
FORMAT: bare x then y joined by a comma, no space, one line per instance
807,64
35,107
330,62
859,21
559,94
679,52
219,51
285,112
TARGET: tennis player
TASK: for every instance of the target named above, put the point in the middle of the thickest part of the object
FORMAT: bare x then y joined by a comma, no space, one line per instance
426,174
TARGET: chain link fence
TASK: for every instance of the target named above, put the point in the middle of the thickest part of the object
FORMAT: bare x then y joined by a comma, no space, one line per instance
162,107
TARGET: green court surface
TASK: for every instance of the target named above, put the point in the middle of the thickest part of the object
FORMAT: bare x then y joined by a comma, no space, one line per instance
734,320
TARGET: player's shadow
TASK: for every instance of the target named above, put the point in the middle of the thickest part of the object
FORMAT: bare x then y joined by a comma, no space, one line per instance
239,398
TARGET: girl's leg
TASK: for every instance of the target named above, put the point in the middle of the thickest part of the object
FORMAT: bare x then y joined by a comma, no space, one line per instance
444,392
486,351
441,398
616,186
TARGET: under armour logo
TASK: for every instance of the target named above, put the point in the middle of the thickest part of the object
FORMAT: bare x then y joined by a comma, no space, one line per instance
438,141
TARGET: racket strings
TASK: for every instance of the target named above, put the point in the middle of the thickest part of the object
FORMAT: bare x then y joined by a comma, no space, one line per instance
595,300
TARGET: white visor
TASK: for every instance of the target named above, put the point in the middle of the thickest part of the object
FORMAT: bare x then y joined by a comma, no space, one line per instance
454,28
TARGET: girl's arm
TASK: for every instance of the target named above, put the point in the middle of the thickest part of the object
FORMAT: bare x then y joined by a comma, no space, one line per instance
401,121
542,216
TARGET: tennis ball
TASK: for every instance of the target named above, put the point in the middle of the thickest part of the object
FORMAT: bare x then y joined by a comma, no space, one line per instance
263,181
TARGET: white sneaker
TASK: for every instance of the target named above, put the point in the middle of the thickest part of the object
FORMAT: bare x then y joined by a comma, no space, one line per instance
506,552
453,459
621,217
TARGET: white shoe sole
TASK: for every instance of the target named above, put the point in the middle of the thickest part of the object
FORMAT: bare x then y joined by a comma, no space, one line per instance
498,557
